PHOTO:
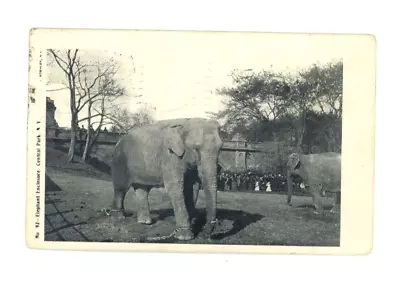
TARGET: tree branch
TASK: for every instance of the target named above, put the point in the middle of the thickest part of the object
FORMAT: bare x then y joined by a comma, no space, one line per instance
52,90
58,59
86,118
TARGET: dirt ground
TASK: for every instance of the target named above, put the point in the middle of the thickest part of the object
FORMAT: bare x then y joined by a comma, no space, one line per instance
74,204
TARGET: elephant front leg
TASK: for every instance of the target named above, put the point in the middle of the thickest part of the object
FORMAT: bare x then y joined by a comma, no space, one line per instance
336,203
175,191
142,199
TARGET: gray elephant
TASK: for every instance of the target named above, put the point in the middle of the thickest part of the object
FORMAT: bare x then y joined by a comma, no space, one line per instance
177,154
320,172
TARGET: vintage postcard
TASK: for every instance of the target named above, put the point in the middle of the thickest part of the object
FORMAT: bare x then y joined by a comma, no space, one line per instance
220,142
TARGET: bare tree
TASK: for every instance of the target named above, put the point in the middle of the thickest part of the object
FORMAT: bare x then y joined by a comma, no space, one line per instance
92,86
68,62
123,120
100,90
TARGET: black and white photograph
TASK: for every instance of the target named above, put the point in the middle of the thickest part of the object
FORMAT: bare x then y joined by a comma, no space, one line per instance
205,138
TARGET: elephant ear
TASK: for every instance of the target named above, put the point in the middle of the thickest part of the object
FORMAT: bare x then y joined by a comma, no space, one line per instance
174,141
294,161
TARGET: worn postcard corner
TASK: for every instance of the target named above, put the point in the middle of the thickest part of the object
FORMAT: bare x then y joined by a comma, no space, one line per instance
212,142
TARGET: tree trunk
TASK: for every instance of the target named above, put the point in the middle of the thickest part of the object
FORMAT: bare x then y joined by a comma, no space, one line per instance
93,138
74,116
89,133
71,151
92,142
289,187
86,150
299,141
300,132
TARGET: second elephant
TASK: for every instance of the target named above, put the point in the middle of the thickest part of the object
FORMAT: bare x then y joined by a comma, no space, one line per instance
320,172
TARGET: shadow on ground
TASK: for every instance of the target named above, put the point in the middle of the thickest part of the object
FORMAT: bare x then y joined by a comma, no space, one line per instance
99,165
94,162
229,223
50,185
240,220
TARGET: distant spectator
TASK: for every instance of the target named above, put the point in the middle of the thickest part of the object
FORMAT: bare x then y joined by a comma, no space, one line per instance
262,183
229,179
257,186
239,183
82,132
234,186
268,188
250,182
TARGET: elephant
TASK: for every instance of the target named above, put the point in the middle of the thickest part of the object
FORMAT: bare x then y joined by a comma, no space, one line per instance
178,154
320,172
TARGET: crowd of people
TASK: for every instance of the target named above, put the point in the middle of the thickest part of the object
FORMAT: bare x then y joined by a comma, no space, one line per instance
253,181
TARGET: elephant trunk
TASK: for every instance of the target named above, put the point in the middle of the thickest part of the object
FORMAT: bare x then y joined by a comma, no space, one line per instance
289,188
209,183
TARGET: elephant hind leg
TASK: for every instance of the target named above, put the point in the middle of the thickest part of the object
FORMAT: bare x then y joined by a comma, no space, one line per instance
317,201
117,206
336,203
119,198
142,200
121,187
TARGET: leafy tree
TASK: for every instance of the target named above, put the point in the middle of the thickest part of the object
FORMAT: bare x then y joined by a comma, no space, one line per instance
323,133
254,97
325,87
272,106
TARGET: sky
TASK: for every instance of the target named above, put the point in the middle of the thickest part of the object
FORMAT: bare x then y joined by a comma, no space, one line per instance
177,74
